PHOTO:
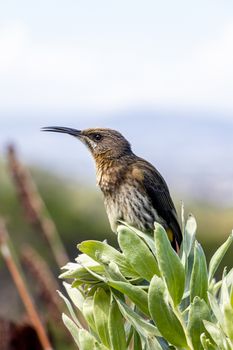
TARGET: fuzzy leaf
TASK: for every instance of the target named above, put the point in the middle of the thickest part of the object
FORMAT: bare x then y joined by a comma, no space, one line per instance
170,265
88,342
228,313
224,293
135,294
76,270
137,253
199,311
145,236
88,312
217,335
101,314
70,308
116,328
165,319
113,272
189,234
218,256
81,273
199,277
75,295
229,278
72,327
142,326
104,254
216,309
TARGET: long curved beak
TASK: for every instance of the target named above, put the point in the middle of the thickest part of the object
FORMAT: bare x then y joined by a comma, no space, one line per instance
63,130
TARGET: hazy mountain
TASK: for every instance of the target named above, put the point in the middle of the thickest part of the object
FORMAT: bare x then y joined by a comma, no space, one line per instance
194,151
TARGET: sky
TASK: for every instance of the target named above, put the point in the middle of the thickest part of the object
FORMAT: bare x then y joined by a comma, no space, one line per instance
109,63
102,56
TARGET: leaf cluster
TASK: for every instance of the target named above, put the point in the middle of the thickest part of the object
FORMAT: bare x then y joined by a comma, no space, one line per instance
146,296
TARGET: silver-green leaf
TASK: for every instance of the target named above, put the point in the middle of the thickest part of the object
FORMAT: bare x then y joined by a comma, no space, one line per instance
72,327
170,265
104,254
116,328
199,311
101,315
218,256
199,277
135,294
217,335
162,314
137,253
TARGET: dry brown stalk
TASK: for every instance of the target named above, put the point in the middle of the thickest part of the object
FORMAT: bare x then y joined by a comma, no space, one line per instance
22,289
35,208
45,281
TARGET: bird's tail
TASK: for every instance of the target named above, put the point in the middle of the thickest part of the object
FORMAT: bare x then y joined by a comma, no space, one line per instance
175,235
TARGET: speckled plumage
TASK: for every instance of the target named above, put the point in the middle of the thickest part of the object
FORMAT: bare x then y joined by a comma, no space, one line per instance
134,191
128,197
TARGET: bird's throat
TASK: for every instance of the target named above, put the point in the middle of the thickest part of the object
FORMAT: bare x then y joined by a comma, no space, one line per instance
109,174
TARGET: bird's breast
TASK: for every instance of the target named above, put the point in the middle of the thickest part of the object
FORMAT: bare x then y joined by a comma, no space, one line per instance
130,203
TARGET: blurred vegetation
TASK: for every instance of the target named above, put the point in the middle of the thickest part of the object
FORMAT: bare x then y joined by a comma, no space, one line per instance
77,210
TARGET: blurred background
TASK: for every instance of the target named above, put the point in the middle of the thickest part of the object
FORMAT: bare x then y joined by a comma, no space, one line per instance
159,72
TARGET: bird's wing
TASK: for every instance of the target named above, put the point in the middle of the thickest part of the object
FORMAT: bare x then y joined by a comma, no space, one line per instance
157,189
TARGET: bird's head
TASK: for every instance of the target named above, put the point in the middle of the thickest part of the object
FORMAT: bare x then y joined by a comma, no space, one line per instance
103,143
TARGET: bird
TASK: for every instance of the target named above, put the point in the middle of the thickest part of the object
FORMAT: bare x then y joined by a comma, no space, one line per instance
133,189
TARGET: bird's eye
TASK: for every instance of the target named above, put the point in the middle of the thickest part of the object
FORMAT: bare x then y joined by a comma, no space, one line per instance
97,137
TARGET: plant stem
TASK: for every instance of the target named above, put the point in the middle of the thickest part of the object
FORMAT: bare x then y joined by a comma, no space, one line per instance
22,290
35,209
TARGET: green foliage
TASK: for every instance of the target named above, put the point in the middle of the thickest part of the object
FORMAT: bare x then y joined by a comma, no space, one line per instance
147,296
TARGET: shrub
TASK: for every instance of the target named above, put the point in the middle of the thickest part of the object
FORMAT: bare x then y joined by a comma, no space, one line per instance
148,297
